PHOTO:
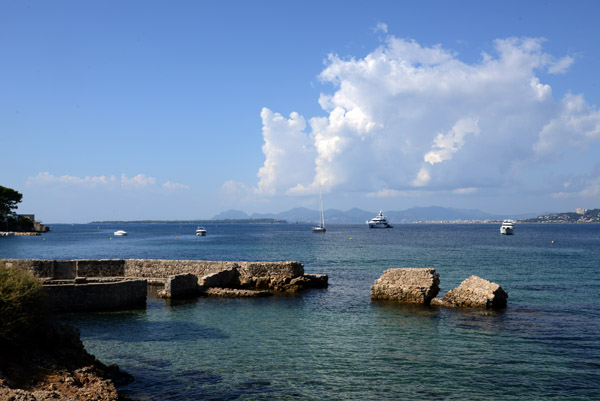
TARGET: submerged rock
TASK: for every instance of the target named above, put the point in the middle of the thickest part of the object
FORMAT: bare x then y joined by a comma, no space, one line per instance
409,285
474,292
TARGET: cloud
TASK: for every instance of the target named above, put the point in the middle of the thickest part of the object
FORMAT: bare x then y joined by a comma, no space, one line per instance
576,126
412,117
586,186
561,66
45,178
447,144
174,186
138,181
289,153
380,27
109,182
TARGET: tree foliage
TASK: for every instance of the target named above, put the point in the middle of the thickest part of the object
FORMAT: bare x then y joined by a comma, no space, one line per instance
9,198
21,303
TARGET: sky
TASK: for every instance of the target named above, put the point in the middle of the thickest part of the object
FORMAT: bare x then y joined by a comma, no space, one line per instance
136,110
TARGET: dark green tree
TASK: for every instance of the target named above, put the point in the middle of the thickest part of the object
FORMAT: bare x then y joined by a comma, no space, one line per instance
9,198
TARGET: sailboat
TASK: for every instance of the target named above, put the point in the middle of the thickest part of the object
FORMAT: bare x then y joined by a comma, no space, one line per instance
321,227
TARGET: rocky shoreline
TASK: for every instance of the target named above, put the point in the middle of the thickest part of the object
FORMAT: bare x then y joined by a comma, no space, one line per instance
55,366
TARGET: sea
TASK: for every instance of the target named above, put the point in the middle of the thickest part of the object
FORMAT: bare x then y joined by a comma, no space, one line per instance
335,343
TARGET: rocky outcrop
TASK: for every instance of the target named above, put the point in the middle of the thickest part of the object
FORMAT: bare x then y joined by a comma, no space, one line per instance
408,285
56,366
474,292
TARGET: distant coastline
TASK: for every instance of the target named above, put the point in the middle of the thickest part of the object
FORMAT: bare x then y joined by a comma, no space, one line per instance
221,221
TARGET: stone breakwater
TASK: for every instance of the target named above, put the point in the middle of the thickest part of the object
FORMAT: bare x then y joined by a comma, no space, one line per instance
421,286
105,284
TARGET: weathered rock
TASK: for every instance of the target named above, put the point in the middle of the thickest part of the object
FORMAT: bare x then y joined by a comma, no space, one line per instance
227,278
308,281
236,293
409,285
180,286
55,366
474,292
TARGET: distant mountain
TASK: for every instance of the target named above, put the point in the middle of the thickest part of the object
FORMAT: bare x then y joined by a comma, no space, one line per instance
438,213
231,214
359,216
300,214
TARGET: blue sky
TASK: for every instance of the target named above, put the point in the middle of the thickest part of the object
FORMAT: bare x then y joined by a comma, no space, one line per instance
181,110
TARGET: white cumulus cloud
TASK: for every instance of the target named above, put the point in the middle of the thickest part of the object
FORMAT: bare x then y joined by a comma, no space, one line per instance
413,117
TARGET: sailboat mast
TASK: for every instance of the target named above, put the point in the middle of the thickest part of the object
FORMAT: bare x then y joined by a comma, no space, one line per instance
322,216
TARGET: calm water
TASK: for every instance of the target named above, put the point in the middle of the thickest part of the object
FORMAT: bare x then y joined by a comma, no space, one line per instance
336,343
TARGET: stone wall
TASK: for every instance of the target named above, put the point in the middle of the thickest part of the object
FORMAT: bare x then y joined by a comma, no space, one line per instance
40,268
96,296
101,268
283,276
151,268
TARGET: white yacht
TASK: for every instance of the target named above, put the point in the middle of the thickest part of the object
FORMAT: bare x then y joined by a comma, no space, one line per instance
201,231
379,221
120,233
508,227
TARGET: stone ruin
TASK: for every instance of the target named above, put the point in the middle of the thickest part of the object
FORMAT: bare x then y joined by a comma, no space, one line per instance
237,280
408,285
421,285
474,292
108,284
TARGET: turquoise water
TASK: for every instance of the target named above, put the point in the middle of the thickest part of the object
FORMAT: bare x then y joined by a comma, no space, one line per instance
336,343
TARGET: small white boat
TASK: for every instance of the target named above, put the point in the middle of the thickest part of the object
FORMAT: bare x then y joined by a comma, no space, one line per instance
120,233
507,228
201,231
7,234
320,228
379,221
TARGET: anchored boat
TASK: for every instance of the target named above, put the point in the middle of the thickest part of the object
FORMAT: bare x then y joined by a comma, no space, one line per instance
507,228
379,221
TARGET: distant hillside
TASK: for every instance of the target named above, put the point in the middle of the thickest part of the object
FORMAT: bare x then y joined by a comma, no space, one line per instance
231,214
359,216
583,216
199,222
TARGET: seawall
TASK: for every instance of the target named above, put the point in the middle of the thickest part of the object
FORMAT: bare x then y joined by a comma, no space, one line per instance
106,284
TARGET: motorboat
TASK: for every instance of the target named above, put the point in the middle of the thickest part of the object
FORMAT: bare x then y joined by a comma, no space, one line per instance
320,228
120,233
7,234
379,221
200,231
507,228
